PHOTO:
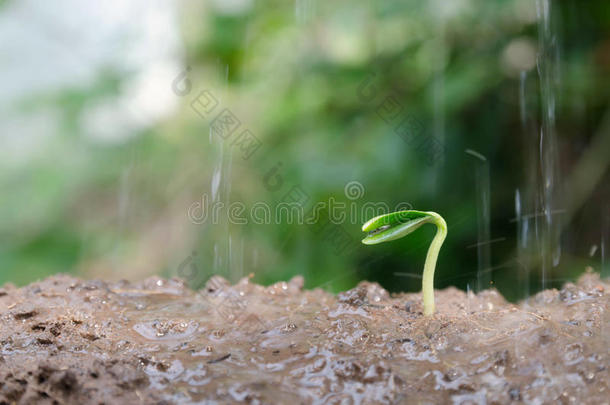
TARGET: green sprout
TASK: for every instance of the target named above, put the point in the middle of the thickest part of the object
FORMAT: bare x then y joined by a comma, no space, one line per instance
385,228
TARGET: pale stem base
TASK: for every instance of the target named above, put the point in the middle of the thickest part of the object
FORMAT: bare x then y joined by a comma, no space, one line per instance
430,265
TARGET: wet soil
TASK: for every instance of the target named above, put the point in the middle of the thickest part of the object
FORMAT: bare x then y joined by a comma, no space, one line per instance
66,340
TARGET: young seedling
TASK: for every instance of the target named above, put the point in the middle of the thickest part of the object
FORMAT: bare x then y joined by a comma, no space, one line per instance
385,228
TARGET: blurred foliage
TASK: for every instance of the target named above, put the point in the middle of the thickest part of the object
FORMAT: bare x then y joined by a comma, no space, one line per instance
291,73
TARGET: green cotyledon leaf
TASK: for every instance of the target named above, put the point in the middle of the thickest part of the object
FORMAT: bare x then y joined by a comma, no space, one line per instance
392,226
384,228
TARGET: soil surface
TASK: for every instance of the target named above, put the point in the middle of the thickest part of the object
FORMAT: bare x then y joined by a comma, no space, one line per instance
66,340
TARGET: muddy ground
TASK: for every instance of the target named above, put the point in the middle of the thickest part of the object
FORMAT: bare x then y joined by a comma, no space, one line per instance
66,340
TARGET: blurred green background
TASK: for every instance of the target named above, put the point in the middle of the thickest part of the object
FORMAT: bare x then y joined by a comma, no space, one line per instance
103,153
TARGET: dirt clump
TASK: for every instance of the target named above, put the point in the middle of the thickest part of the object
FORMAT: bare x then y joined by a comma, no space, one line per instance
66,340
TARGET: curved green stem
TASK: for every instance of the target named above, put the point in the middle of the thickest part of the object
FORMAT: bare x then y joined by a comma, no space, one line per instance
430,265
388,227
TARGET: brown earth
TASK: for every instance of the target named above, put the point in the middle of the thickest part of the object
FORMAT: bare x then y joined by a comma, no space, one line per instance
66,340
